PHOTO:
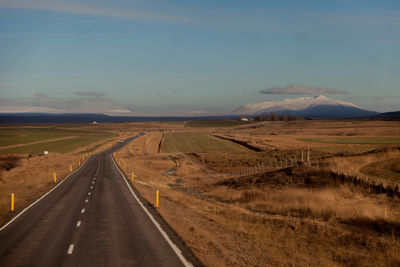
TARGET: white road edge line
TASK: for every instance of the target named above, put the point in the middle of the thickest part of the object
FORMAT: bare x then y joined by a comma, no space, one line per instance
78,224
177,251
34,203
70,249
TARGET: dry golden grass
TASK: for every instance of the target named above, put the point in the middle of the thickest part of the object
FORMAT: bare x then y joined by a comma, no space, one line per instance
287,135
353,166
332,225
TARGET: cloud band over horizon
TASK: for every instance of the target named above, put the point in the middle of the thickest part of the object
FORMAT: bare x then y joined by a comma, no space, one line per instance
296,89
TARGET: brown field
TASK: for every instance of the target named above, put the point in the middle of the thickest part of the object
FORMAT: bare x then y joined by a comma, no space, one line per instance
233,210
251,200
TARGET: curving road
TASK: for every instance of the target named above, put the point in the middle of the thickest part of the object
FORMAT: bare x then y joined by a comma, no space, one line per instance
92,218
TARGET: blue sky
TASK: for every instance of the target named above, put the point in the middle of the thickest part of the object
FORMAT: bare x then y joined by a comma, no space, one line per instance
195,57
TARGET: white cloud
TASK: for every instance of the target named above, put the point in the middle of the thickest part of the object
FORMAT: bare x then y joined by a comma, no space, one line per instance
252,18
90,94
61,105
190,112
28,109
81,8
117,111
300,90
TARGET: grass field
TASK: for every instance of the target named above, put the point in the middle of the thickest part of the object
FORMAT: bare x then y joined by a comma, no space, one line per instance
23,135
216,123
198,142
387,168
301,215
34,140
356,140
351,149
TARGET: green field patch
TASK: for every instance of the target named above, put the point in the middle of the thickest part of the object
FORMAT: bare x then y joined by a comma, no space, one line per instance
173,122
216,123
356,140
198,142
351,149
26,135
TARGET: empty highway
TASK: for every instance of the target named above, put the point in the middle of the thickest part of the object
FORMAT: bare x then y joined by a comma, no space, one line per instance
93,218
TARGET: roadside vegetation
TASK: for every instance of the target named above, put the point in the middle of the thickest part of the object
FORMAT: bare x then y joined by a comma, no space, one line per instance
28,173
337,214
343,212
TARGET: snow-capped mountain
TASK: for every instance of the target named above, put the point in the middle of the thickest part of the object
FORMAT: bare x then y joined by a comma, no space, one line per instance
312,107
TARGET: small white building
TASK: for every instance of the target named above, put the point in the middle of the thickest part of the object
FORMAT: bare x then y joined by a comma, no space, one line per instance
94,122
244,119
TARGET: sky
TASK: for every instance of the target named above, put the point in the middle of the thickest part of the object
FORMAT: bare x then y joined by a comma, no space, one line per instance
144,57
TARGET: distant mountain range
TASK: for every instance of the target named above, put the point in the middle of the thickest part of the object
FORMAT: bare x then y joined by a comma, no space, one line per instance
318,107
89,118
389,115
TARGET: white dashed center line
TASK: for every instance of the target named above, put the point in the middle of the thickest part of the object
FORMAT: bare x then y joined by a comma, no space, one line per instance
83,211
78,224
86,201
91,187
89,193
71,248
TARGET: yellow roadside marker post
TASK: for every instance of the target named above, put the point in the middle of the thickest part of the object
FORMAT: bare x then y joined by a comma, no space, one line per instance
70,168
55,177
157,197
124,167
12,201
133,177
79,163
86,154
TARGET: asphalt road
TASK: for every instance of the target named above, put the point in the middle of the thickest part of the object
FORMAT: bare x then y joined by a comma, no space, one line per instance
92,219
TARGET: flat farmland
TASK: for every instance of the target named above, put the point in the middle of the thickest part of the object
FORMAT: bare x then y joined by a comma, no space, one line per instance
27,173
32,140
188,142
356,140
230,208
216,123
